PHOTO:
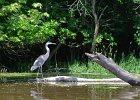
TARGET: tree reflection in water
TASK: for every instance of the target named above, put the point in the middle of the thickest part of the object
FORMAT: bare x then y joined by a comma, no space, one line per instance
130,93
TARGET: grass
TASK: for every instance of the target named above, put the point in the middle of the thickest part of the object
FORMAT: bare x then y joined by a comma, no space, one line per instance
129,63
90,70
17,75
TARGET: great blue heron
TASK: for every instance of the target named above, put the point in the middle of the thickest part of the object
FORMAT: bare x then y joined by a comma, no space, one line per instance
41,59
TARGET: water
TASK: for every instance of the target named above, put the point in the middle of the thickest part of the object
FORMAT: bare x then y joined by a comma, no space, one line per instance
37,91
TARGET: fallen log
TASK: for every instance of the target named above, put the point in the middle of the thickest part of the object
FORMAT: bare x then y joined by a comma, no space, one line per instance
111,66
75,81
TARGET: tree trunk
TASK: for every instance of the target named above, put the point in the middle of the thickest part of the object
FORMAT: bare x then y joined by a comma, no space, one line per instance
96,21
110,65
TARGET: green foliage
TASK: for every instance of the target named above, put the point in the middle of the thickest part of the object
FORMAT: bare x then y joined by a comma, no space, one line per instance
12,8
38,22
105,36
37,5
130,63
31,25
28,22
14,75
82,68
137,1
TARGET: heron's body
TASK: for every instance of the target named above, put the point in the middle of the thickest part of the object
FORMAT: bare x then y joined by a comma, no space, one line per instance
41,59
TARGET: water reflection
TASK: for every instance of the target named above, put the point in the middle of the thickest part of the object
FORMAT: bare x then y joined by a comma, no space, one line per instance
90,92
38,91
128,94
37,94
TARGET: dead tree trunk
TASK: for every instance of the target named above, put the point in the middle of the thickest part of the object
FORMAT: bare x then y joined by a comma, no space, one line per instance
110,65
96,21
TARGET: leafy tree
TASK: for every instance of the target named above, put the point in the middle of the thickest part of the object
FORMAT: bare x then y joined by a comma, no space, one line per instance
26,23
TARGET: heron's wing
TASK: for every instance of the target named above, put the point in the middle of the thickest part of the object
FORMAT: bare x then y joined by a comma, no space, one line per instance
39,61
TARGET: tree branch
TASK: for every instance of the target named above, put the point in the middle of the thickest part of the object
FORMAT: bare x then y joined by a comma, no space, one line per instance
102,12
111,66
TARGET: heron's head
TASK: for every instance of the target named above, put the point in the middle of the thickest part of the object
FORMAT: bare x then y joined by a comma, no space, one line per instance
48,43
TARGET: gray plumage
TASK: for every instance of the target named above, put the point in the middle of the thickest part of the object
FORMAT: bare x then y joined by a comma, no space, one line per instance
41,59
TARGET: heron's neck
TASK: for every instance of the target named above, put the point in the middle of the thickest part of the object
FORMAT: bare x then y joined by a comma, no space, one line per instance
48,51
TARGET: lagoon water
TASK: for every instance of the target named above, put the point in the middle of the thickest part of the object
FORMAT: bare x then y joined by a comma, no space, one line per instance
38,91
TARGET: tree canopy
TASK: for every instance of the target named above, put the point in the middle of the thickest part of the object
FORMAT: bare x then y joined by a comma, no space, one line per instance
25,23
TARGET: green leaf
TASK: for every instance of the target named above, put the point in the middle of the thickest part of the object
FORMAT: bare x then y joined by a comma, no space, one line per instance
14,39
37,5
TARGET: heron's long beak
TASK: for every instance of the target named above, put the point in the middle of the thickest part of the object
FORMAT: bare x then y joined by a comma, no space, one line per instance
53,43
49,43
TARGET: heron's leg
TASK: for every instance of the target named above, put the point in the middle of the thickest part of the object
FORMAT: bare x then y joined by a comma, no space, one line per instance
41,71
38,72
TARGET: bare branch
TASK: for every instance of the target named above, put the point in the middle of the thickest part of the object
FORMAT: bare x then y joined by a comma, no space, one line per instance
102,12
80,7
137,7
138,14
96,21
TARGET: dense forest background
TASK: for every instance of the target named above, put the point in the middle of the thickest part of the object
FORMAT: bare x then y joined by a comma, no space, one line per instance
26,25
